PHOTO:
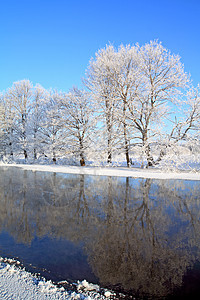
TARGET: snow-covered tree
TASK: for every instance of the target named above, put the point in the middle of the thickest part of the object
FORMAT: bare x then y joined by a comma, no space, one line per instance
184,126
124,72
78,121
189,119
162,78
101,83
8,140
126,81
2,127
37,116
138,96
52,137
132,85
18,99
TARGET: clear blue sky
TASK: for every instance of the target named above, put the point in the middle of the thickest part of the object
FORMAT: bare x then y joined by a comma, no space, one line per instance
51,41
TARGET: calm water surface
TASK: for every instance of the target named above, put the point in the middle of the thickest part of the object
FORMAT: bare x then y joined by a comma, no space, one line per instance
140,236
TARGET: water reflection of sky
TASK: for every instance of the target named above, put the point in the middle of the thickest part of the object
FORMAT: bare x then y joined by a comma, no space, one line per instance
140,234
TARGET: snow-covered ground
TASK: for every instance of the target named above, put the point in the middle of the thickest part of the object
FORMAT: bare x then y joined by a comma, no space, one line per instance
112,171
16,283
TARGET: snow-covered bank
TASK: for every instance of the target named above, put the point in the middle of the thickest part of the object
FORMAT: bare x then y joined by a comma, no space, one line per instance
16,283
110,171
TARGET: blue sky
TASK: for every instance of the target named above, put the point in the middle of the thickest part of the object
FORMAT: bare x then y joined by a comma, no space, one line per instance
51,41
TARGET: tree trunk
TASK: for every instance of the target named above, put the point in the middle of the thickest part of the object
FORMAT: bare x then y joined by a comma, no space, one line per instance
24,135
34,150
35,153
82,160
161,155
54,156
149,157
126,146
25,154
53,144
109,159
10,143
125,136
11,151
150,161
109,130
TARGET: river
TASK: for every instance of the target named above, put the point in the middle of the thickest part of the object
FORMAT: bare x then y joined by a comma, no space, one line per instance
137,236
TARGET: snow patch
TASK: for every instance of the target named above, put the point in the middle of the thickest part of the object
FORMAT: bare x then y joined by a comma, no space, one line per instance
84,285
112,171
16,283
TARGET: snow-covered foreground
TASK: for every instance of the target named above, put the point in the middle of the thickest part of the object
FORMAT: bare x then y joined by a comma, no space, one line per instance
111,171
16,283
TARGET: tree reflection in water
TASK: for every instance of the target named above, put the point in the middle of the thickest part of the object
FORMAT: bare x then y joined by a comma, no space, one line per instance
139,234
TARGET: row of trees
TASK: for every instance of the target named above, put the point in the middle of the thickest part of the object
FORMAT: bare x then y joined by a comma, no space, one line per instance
134,95
36,122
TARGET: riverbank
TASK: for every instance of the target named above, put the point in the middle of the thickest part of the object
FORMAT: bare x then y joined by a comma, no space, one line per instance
16,283
111,171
